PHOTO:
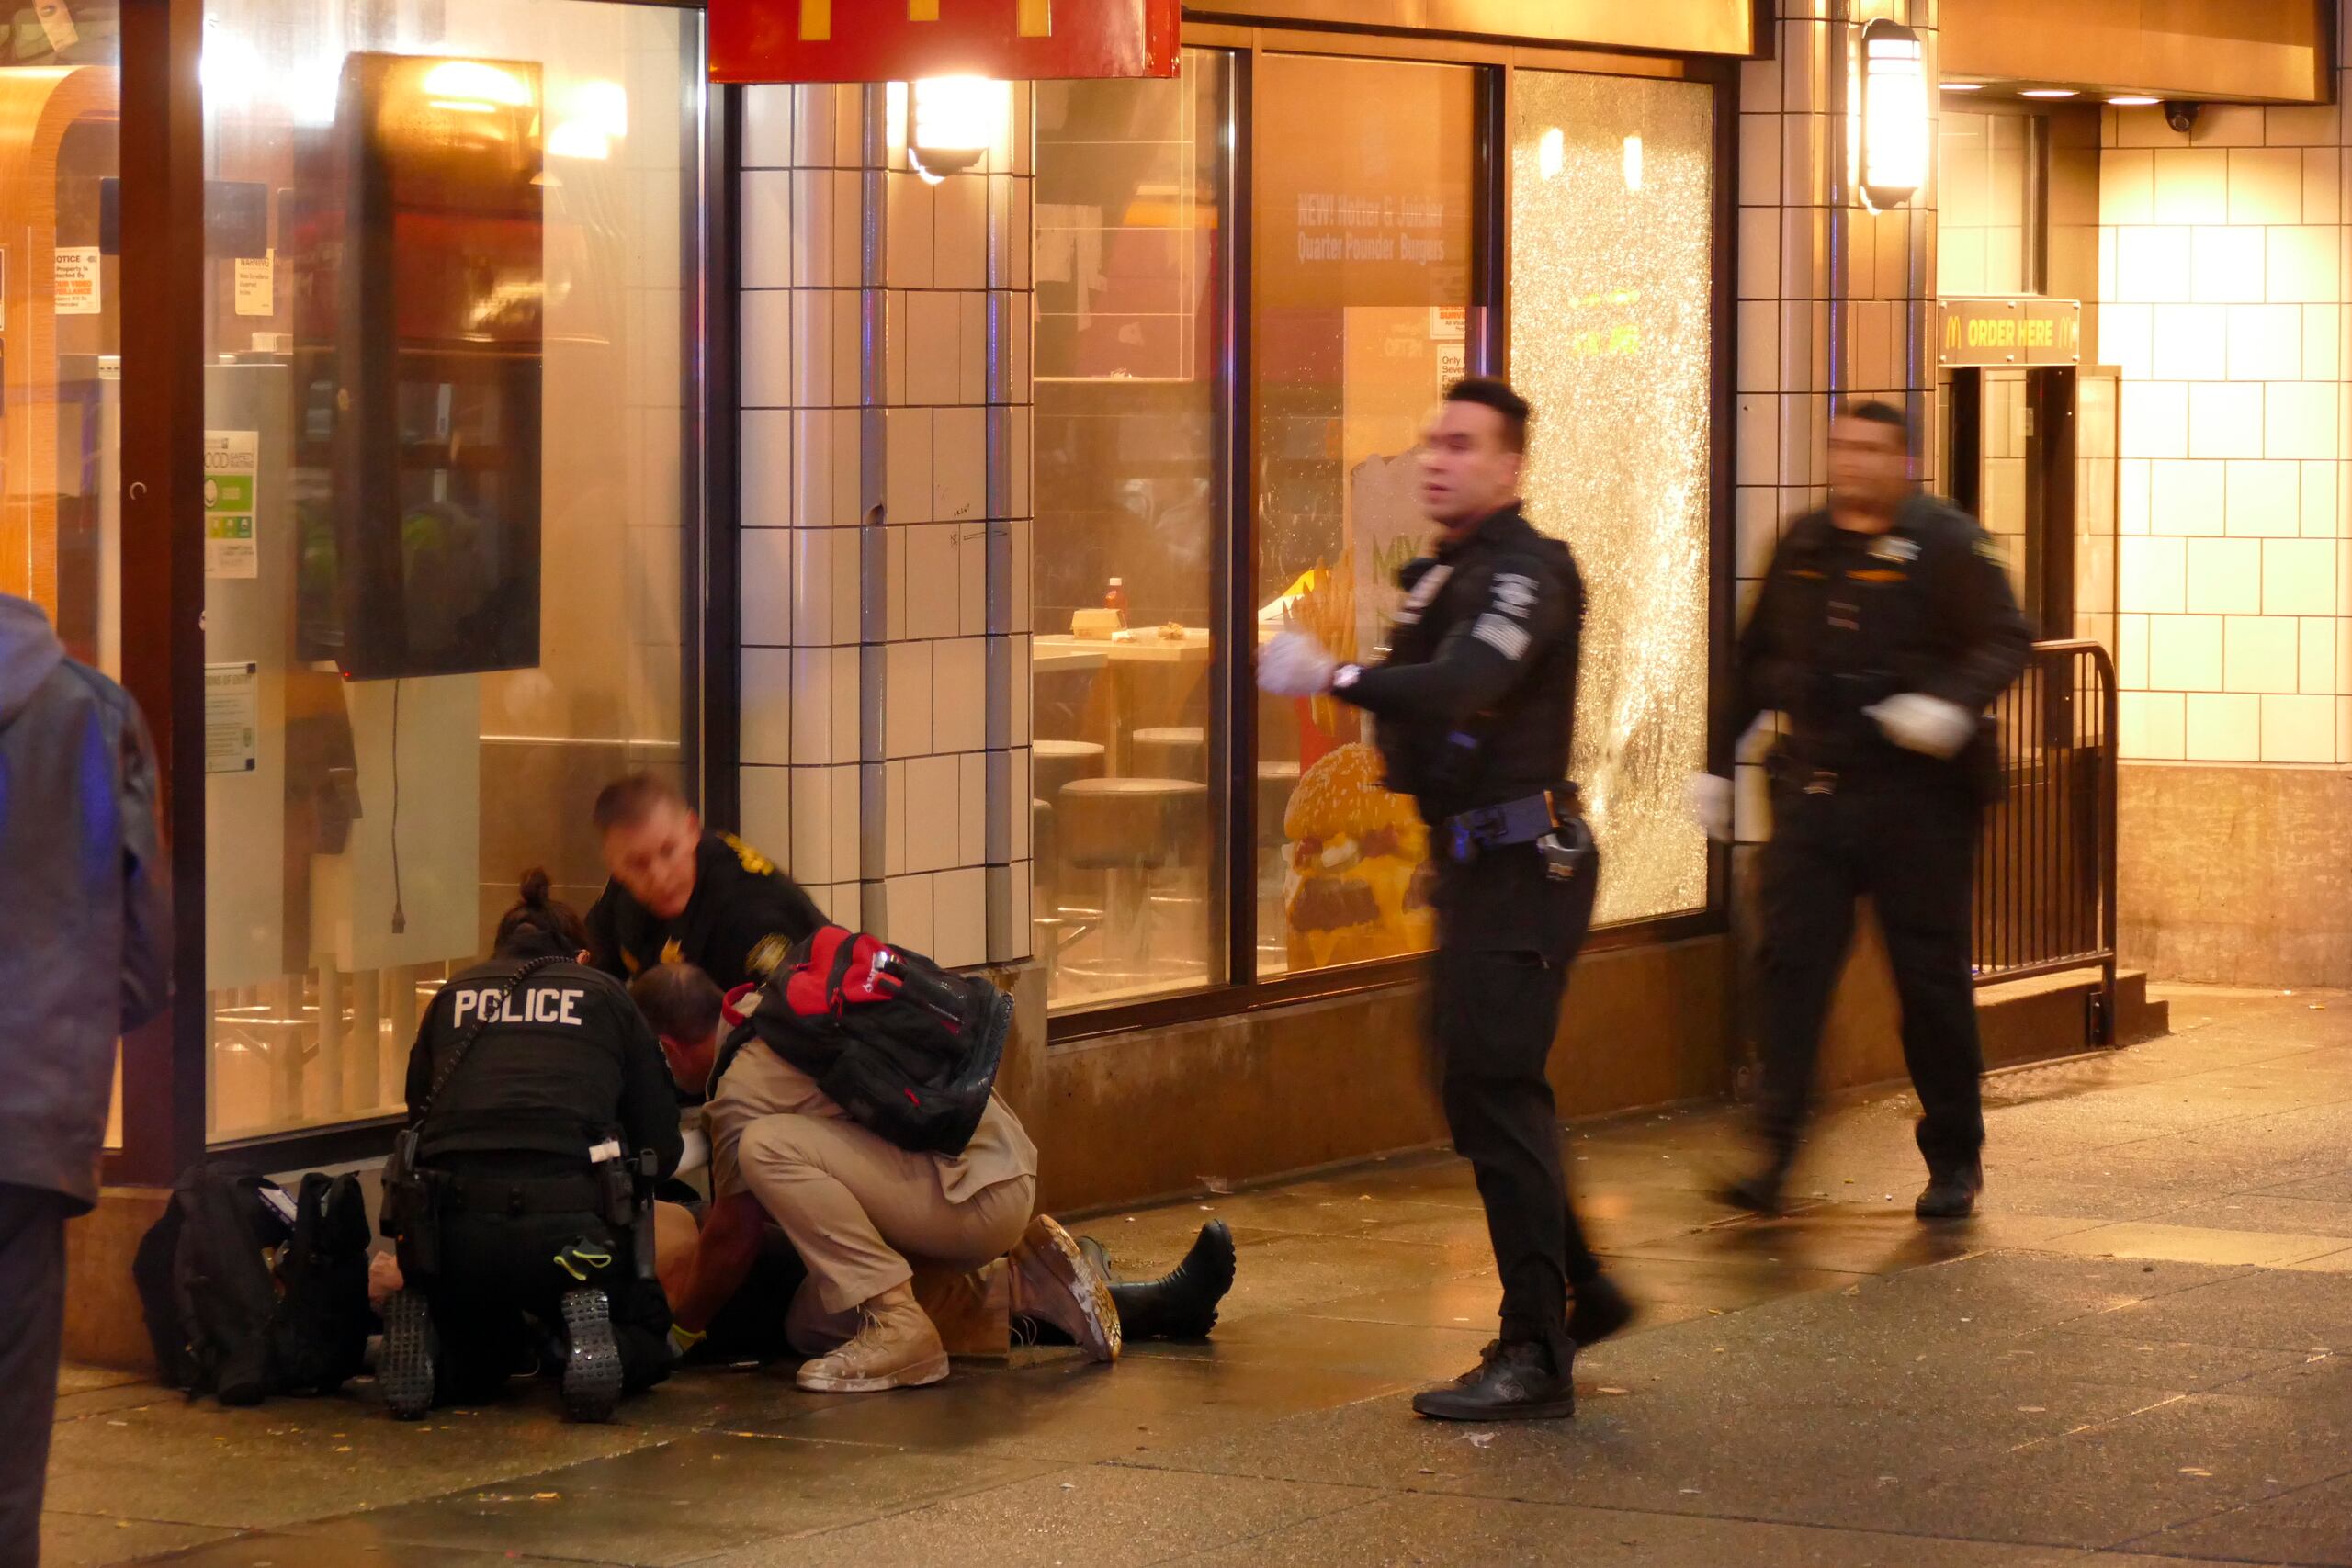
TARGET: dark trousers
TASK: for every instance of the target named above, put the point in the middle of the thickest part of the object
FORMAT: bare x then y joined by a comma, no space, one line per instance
32,1320
1913,850
1494,1014
498,1298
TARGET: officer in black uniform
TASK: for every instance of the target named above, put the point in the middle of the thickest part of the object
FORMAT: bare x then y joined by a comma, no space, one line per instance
682,895
1884,628
1476,704
540,1108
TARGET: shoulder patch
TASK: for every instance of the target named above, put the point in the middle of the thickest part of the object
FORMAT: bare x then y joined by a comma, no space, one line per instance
749,858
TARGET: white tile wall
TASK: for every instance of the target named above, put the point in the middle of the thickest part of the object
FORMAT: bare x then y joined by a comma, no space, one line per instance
2235,640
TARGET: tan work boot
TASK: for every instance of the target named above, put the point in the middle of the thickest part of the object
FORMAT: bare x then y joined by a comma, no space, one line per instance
1053,1283
895,1347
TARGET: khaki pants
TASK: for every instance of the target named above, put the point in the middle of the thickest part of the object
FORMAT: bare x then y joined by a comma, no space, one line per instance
864,1214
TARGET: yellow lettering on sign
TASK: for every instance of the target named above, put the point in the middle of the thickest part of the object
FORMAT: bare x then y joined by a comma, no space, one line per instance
923,10
1037,19
815,20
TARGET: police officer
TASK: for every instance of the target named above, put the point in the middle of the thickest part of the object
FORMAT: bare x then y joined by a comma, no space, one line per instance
1477,702
682,895
539,1107
1885,628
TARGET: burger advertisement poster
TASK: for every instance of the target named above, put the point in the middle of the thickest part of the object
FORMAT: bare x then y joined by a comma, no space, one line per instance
1354,887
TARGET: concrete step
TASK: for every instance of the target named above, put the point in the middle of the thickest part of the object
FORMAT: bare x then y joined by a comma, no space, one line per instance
2053,1015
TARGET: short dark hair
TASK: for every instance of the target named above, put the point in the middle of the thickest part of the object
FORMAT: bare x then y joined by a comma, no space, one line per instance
1877,411
1494,392
679,1001
626,802
540,925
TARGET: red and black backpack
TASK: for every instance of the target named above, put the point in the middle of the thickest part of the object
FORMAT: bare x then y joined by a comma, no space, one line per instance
908,1049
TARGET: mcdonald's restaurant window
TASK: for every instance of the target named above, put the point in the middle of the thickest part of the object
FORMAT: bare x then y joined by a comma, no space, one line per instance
447,489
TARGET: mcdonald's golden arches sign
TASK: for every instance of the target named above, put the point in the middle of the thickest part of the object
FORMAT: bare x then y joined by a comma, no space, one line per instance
896,40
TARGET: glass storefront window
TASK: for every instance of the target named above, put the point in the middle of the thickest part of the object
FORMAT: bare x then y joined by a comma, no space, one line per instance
1130,276
60,384
448,250
61,378
1364,312
1612,184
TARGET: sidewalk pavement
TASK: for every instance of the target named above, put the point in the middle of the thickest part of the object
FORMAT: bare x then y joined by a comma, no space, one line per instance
2141,1350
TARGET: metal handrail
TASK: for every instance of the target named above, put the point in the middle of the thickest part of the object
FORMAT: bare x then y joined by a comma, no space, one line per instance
2045,890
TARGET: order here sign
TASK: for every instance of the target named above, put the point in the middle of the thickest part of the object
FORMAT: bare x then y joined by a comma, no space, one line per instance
899,40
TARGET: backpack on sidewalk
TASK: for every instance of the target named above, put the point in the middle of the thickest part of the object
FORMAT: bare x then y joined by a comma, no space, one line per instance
249,1292
907,1049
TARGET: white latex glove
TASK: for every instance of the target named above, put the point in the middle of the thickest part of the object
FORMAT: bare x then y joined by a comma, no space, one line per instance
1294,665
1706,800
1918,722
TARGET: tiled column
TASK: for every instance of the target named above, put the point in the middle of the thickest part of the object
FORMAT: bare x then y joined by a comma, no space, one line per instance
886,376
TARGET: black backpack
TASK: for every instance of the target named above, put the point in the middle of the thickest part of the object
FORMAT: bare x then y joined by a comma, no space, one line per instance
222,1318
909,1050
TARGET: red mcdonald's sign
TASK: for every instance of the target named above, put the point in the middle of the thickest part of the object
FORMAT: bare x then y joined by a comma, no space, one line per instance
897,41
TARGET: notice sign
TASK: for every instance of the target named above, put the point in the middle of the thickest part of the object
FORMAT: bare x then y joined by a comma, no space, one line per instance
230,459
232,717
77,281
257,284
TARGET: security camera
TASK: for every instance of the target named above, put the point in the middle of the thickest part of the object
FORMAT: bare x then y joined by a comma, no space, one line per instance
2182,115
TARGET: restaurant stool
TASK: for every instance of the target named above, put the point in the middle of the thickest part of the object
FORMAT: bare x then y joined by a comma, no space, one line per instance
1127,828
1054,763
1171,751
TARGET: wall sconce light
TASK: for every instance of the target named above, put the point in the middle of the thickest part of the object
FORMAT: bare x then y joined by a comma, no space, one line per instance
952,121
1887,115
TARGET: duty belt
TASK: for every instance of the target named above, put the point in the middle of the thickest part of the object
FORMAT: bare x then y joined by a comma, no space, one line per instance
1523,821
518,1195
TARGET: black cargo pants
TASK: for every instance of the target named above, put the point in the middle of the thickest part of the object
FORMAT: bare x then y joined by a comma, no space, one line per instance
1505,940
1908,842
498,1297
32,1321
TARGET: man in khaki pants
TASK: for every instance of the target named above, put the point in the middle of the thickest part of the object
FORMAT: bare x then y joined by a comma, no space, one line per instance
873,1222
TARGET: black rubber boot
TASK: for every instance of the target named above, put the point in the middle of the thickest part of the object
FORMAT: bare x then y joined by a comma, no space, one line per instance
1181,1303
592,1361
1514,1382
405,1365
1951,1194
1601,1310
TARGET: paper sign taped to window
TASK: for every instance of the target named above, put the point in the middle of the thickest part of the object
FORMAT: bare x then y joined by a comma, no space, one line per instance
232,717
257,284
77,281
232,458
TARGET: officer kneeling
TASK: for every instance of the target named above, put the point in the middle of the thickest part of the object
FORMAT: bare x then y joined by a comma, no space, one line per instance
539,1112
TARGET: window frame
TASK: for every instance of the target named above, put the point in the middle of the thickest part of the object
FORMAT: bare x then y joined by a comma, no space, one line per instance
165,1066
1233,746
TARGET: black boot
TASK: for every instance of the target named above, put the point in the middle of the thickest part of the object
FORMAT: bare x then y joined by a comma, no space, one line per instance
1760,1193
1950,1194
406,1366
1514,1382
1599,1311
592,1363
1181,1303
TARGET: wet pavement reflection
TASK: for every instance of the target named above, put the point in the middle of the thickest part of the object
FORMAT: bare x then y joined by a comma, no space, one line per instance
2139,1348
